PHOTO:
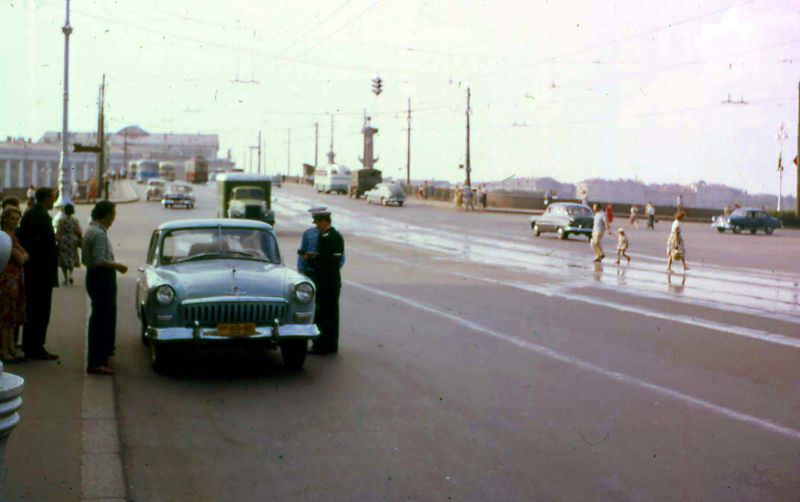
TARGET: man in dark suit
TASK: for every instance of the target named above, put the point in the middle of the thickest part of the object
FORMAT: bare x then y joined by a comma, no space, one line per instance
326,263
41,273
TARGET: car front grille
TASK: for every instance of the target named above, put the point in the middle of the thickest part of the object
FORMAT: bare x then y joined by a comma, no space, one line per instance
211,314
252,212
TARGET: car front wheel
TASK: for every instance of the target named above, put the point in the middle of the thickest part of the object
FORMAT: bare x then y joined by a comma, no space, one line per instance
562,234
768,230
293,353
721,230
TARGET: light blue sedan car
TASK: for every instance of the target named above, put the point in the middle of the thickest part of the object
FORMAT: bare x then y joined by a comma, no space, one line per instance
220,283
385,194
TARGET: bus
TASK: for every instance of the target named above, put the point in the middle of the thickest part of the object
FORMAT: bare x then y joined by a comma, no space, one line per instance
145,170
196,170
332,178
166,170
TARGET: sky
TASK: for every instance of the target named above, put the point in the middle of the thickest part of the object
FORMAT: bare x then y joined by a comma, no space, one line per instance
572,89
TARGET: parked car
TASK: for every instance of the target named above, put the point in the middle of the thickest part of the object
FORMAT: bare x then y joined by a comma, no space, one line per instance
747,218
565,219
385,194
178,195
220,283
155,189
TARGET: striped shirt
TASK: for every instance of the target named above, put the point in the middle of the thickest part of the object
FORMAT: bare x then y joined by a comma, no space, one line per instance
96,246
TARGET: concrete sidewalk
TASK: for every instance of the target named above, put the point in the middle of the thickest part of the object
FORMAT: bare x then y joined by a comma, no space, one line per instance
43,456
65,446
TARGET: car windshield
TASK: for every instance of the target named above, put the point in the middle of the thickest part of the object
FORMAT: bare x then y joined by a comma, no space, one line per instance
248,193
578,211
181,189
740,212
394,189
208,243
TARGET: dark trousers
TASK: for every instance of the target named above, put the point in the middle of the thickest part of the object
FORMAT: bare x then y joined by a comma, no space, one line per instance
651,221
101,284
326,317
39,300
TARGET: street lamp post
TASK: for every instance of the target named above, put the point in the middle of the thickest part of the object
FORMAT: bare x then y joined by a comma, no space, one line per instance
781,136
65,174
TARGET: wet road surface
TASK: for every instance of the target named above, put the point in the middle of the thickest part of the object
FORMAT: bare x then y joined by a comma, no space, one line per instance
479,363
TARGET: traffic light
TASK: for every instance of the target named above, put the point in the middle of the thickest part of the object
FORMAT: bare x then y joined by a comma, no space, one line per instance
377,84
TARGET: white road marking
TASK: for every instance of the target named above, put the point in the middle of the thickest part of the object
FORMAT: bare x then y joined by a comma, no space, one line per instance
559,292
760,423
562,290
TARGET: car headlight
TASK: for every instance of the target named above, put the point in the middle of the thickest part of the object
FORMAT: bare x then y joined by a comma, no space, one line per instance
304,292
165,295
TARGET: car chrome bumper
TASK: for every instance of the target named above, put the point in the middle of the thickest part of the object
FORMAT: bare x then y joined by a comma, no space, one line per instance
205,334
578,230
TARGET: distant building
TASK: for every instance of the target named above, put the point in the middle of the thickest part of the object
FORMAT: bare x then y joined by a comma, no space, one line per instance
23,162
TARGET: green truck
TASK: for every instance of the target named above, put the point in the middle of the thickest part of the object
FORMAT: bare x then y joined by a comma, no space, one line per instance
241,195
362,181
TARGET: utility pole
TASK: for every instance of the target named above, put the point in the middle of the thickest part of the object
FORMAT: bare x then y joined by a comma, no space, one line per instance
781,137
797,166
101,142
125,152
469,167
64,169
408,146
289,154
259,152
316,143
331,155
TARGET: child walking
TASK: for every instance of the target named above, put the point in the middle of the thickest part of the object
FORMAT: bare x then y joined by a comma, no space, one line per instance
622,245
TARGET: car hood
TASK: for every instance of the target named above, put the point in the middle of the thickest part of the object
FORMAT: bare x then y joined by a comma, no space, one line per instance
228,277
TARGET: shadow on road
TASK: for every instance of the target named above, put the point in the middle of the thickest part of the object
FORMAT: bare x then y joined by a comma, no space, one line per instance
230,365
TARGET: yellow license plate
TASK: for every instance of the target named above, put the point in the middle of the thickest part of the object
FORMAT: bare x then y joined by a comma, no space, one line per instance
236,330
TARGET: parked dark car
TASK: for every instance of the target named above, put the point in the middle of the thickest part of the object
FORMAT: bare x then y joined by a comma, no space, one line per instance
747,218
565,219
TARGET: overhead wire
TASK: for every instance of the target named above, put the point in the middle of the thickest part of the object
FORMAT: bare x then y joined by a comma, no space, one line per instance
616,41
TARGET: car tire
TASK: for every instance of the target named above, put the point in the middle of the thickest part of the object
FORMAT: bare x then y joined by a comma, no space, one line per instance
536,230
400,204
563,235
721,230
161,357
737,229
143,329
293,354
768,230
753,230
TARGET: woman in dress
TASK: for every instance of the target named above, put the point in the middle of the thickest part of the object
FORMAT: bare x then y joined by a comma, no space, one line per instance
68,238
12,289
675,245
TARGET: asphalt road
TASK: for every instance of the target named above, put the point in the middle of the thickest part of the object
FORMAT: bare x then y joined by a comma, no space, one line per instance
479,363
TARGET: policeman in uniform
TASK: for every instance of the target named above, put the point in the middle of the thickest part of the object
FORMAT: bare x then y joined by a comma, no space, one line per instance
322,261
